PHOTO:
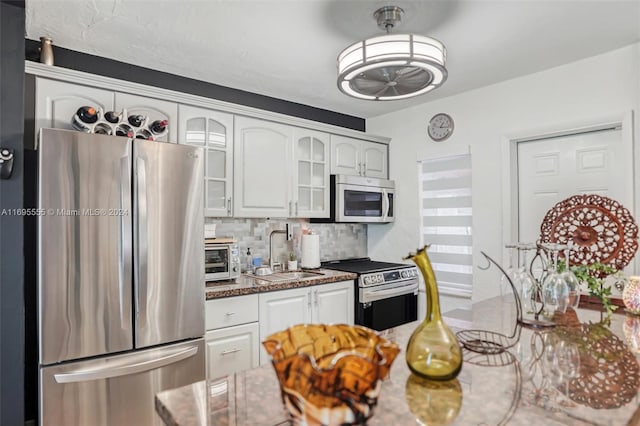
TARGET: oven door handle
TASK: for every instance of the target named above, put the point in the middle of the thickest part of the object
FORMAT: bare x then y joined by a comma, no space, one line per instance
373,295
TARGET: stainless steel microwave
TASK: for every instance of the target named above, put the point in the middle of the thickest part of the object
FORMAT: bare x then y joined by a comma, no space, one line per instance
221,259
361,199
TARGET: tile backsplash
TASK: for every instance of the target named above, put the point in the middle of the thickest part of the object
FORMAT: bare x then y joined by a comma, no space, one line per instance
337,240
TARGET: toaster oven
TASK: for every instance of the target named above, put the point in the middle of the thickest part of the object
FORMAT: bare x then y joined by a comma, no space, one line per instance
221,259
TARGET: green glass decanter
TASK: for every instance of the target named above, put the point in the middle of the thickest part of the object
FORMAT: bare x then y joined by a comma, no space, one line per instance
433,351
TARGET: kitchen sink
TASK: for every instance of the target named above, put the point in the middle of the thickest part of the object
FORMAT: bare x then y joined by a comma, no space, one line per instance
290,276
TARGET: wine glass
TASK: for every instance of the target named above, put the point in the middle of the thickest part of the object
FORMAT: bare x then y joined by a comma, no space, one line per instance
549,358
524,281
572,282
505,287
554,289
567,362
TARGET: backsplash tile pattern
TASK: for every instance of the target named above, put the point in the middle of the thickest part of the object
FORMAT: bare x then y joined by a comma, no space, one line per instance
337,240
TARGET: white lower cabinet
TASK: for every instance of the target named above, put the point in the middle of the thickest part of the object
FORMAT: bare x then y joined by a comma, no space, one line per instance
233,335
232,349
333,303
326,303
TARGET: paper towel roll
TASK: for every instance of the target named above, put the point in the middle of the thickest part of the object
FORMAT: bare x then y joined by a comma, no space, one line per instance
310,248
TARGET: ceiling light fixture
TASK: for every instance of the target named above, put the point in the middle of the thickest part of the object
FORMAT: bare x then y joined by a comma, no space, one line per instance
393,66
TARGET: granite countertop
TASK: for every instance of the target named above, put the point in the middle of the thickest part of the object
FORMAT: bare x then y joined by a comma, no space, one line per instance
250,284
513,388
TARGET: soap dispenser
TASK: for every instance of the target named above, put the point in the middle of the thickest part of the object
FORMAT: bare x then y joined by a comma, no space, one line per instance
248,261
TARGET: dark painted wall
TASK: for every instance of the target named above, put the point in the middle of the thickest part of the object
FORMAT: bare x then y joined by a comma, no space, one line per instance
123,71
12,23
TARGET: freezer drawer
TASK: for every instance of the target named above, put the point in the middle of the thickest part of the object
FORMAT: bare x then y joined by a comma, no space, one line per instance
117,390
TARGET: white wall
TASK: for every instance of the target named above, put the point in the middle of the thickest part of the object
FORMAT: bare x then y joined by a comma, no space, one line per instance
581,92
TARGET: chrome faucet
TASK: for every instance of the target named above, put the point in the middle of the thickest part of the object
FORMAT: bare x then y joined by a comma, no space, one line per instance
273,264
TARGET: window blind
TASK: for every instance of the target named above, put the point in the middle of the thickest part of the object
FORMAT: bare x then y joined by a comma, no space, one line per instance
445,191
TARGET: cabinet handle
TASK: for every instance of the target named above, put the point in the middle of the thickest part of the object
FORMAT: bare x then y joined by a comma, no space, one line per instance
309,298
317,302
360,169
296,209
229,206
230,351
364,169
229,314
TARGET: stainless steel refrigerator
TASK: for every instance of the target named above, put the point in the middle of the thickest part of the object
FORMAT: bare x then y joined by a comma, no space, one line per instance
120,276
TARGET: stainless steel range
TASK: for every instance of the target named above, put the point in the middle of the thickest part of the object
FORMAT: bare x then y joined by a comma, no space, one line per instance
387,293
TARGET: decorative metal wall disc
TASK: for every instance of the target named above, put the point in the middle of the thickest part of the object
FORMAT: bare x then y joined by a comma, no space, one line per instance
601,230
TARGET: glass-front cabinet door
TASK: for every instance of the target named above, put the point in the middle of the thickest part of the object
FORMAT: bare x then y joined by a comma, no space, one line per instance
311,183
213,131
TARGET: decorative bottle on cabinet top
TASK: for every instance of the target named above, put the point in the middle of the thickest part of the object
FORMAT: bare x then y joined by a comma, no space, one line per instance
433,351
46,51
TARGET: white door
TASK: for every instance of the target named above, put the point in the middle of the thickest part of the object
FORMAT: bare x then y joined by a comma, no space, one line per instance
213,131
57,102
262,163
551,170
155,109
280,310
333,303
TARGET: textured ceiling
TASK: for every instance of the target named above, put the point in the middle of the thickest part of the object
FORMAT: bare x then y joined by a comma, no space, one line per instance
288,49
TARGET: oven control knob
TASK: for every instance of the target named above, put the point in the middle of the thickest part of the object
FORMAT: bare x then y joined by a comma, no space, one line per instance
380,278
367,280
404,274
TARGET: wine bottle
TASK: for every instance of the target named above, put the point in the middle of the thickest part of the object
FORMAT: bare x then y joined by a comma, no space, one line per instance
102,129
112,117
158,126
144,134
87,114
124,129
136,120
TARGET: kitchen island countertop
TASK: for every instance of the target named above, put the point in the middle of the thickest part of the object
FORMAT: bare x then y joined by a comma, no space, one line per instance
251,284
515,387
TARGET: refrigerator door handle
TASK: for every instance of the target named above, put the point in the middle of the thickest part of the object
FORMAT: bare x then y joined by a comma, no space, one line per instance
124,243
143,242
111,370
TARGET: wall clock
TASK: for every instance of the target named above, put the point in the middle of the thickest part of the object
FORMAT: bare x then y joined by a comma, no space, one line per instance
440,127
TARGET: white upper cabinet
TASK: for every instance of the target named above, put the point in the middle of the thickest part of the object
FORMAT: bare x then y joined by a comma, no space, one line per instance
213,131
254,167
310,193
374,160
155,109
345,156
357,157
262,166
57,102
